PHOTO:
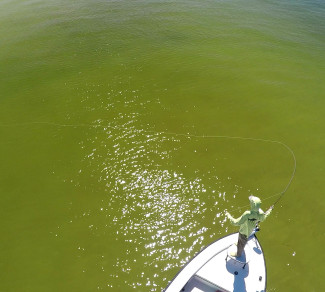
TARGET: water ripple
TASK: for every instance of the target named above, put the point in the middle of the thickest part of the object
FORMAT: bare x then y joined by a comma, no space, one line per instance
159,197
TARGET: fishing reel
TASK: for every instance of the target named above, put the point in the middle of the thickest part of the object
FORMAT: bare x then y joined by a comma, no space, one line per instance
257,227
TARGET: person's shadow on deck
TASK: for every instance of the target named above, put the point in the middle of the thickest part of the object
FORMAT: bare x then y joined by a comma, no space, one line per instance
239,273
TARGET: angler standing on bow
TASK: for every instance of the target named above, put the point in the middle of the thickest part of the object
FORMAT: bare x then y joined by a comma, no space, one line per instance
247,222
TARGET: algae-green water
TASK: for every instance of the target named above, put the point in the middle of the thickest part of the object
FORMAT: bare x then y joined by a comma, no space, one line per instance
106,180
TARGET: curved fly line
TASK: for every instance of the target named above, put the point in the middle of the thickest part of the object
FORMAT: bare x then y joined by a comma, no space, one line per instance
279,195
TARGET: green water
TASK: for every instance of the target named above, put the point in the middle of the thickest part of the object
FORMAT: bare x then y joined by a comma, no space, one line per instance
97,190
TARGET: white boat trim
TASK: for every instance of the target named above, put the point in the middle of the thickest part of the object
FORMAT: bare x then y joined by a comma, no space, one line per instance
213,269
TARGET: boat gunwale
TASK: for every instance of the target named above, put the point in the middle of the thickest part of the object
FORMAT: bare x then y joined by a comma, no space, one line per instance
180,271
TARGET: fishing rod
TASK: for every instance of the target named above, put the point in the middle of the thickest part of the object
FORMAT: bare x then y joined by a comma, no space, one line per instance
292,175
254,139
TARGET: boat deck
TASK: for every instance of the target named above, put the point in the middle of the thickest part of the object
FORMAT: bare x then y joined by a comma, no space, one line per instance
215,271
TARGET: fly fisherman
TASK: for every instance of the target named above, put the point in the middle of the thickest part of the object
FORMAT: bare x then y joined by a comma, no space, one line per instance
247,222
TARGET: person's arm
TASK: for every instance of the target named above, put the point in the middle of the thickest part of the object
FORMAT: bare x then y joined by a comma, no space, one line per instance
237,221
266,214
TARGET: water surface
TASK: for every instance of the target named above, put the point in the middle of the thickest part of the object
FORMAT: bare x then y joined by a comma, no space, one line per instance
106,181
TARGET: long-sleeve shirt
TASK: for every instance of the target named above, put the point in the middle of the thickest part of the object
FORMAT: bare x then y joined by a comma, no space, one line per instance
248,220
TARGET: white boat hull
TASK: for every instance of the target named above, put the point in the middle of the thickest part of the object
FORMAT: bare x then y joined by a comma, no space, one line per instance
214,270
